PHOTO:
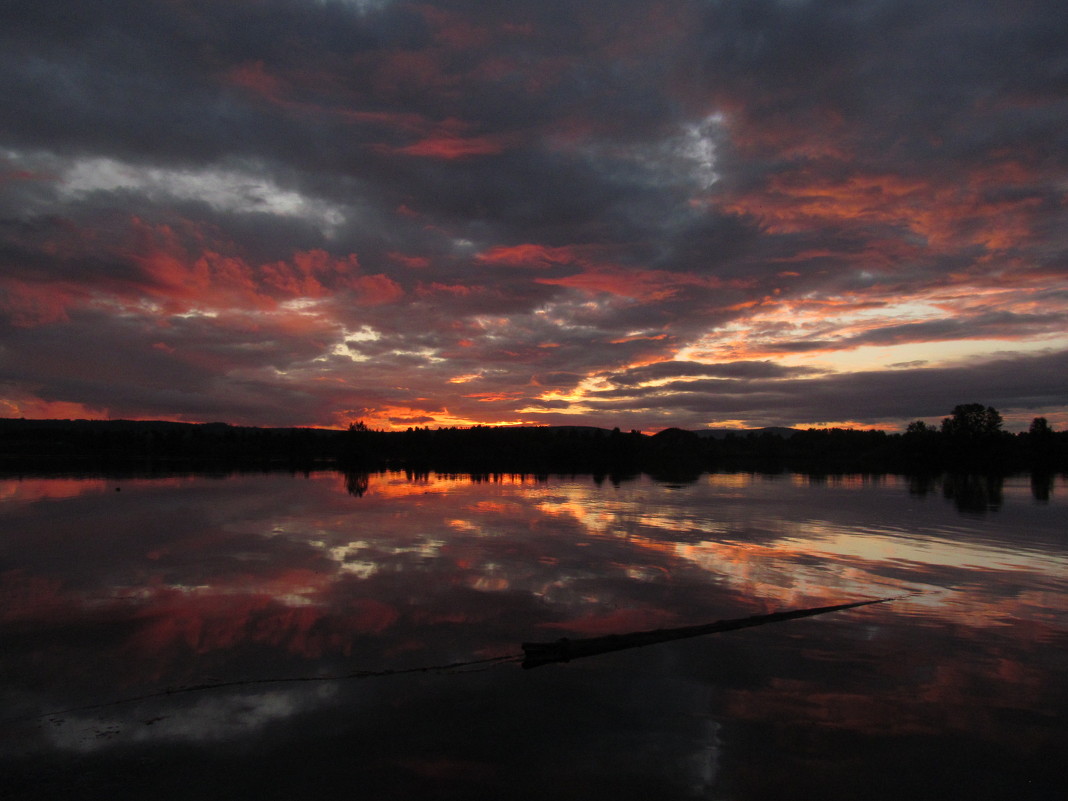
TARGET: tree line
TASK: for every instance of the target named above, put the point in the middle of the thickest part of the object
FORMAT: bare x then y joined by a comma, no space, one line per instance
970,439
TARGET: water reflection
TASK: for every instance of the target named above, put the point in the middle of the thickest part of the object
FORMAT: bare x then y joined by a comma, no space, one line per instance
191,581
1042,486
974,493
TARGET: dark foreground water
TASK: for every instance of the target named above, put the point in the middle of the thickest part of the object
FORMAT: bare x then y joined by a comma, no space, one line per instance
142,621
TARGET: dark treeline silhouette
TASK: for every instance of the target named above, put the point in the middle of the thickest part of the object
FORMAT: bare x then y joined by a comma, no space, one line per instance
156,446
970,440
571,449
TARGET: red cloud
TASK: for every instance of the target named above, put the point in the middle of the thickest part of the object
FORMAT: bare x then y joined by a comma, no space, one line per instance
299,278
453,30
946,215
253,77
206,622
529,255
415,262
453,147
407,70
644,285
24,175
31,304
436,288
375,290
180,277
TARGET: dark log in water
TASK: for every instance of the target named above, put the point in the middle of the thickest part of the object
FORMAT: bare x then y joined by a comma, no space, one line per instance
537,654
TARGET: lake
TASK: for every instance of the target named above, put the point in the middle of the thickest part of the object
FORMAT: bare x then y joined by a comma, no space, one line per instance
320,636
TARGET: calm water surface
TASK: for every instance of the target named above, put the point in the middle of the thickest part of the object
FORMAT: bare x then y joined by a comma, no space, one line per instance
115,594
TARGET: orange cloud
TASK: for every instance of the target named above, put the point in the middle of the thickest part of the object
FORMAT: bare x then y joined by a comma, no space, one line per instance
495,397
638,338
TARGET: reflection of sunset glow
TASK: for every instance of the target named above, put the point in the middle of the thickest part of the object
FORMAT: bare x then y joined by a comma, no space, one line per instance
293,576
34,489
39,489
594,521
655,536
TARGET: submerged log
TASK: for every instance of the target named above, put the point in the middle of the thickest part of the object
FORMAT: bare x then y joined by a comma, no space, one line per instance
537,654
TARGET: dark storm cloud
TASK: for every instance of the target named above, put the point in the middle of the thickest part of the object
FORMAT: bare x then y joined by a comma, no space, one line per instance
454,211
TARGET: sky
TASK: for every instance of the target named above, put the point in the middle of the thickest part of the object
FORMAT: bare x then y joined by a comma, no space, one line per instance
643,214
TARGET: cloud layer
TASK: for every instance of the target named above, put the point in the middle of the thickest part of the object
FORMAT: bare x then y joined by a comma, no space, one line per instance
611,213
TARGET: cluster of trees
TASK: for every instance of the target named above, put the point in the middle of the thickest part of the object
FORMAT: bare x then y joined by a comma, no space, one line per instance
971,439
973,436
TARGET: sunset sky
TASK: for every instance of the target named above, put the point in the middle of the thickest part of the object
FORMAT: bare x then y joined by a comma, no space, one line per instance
609,212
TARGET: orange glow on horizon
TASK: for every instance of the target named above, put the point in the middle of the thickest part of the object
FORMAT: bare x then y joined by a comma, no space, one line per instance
38,409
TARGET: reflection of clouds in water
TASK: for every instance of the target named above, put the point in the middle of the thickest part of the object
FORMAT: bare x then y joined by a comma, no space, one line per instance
773,553
704,760
301,577
212,718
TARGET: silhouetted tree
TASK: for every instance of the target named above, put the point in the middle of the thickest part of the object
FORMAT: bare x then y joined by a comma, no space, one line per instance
972,421
973,438
1041,444
921,446
1040,428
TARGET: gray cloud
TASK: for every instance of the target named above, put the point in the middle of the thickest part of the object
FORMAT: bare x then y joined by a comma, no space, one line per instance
696,171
